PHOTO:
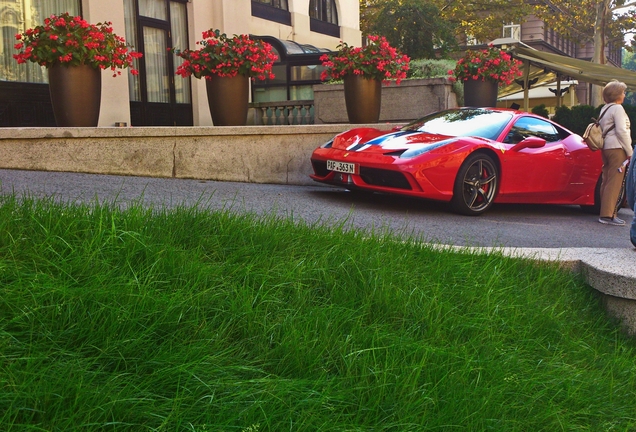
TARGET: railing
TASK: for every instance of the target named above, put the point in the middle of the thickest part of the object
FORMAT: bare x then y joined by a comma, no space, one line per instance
298,112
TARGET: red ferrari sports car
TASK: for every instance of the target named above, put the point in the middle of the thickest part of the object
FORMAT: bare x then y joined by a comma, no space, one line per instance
470,157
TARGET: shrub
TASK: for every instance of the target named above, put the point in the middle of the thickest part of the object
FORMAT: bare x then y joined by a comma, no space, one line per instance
541,110
578,117
435,68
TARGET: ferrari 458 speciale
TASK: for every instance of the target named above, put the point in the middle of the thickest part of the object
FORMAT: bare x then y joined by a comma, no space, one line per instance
469,157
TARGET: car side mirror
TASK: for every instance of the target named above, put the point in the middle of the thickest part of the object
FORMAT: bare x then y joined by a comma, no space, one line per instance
530,142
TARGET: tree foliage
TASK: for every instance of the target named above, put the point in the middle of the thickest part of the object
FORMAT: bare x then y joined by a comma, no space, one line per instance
601,22
413,26
419,26
629,62
483,19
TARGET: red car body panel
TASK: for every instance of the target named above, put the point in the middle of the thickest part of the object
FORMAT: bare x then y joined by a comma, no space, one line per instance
560,172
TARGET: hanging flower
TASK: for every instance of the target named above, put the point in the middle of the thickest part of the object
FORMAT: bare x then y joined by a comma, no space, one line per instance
489,64
376,60
227,57
70,40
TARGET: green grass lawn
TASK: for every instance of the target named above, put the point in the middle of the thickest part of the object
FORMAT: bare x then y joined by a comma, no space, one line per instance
181,319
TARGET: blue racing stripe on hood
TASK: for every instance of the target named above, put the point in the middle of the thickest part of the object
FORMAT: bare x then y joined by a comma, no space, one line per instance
382,140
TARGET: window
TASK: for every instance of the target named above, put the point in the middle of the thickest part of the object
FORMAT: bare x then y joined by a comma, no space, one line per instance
323,10
280,4
472,41
512,31
157,97
272,10
323,17
16,16
529,126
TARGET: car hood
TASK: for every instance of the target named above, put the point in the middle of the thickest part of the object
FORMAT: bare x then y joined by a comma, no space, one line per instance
375,141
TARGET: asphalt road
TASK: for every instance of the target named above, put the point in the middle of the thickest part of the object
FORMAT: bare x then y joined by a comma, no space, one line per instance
520,226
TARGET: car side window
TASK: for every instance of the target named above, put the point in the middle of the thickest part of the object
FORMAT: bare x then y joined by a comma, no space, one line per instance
525,127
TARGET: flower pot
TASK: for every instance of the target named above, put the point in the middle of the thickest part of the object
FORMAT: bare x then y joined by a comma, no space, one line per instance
228,98
480,93
362,97
76,94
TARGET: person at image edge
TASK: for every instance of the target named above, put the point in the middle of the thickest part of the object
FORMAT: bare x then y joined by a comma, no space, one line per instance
617,148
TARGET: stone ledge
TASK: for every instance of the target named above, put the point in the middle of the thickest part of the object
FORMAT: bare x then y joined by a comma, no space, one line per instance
256,154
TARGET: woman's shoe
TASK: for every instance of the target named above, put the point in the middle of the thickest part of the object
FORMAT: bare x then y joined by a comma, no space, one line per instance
612,221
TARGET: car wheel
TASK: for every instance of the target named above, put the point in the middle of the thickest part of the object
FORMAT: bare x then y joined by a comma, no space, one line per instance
476,185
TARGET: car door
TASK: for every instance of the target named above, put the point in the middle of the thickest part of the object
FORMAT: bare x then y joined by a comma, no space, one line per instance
534,174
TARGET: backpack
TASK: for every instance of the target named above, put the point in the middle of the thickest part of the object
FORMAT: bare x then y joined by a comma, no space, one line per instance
594,135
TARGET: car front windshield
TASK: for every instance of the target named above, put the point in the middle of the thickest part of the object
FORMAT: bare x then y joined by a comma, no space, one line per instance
463,122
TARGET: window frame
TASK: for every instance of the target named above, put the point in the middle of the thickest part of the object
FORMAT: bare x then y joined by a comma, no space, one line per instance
320,25
271,13
512,28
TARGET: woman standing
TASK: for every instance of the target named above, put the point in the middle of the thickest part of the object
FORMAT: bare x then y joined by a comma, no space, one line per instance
617,147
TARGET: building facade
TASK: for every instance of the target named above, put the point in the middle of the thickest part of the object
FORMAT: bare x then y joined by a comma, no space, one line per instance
156,96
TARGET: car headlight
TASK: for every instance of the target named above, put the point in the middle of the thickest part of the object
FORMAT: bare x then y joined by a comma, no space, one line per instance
418,150
328,144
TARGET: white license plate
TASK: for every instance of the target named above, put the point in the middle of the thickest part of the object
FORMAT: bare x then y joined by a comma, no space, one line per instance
342,167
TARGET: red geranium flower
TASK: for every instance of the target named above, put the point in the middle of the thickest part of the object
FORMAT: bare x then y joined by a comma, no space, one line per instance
73,41
227,57
488,64
376,60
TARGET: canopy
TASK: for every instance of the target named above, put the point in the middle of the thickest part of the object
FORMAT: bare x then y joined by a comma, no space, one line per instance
576,69
544,94
542,67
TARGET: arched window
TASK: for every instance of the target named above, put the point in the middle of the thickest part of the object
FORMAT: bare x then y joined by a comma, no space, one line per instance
323,17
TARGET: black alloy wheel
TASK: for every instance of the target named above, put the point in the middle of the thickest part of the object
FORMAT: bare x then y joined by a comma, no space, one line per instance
476,185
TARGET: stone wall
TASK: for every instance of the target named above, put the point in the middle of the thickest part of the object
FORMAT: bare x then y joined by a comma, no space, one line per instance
256,154
410,100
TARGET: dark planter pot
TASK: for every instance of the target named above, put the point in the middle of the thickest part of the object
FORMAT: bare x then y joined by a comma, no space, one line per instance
478,93
362,97
76,94
228,98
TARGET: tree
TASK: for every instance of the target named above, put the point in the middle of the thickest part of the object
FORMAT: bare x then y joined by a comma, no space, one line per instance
604,23
418,27
629,62
414,27
483,19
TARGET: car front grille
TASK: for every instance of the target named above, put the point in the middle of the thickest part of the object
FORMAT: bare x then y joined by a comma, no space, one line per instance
371,176
384,178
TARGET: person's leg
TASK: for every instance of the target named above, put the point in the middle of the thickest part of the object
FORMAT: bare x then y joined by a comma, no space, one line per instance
632,231
612,180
